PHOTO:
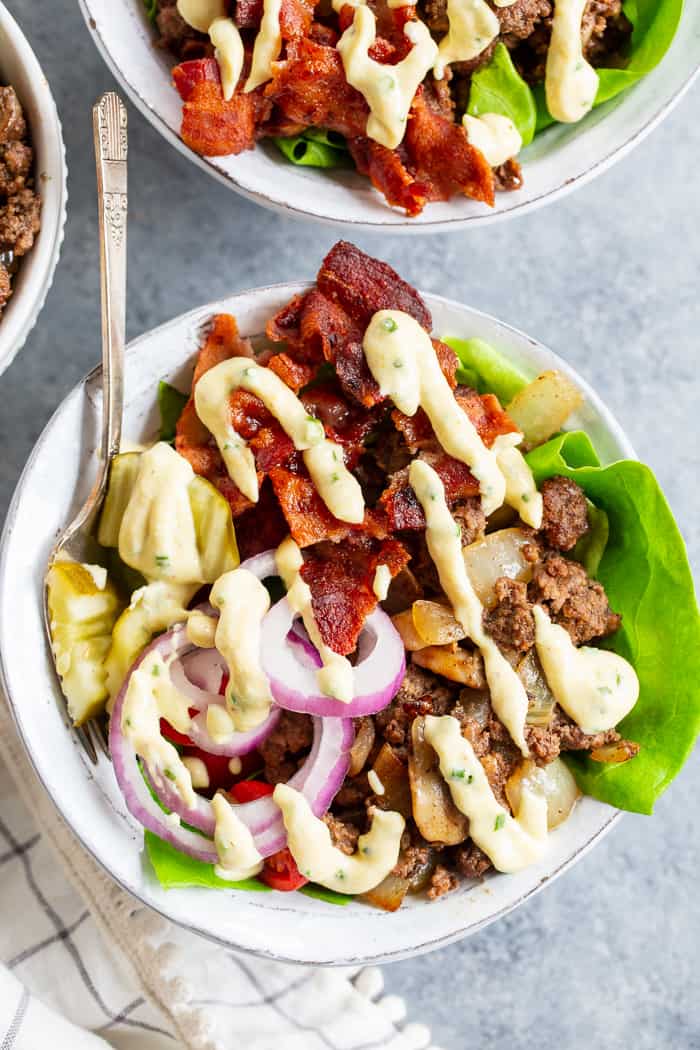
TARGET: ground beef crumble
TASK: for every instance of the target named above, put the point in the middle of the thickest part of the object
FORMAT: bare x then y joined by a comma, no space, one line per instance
572,599
565,513
20,204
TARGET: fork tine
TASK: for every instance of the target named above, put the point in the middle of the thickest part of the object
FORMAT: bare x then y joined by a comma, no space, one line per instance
85,741
99,736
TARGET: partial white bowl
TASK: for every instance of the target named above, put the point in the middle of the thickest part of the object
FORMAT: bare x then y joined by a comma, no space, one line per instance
281,926
558,161
20,68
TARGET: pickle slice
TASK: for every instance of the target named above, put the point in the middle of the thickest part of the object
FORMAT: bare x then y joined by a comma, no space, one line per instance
153,609
211,514
82,611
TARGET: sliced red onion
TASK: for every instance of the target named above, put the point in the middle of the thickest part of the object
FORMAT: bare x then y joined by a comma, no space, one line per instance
307,651
377,675
264,565
318,779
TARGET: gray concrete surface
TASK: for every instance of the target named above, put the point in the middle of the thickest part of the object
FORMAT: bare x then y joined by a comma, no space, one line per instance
608,956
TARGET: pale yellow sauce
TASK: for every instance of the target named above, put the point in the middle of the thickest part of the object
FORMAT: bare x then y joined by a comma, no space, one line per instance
381,582
268,44
199,773
375,783
220,725
238,856
595,687
151,696
444,540
510,843
201,630
224,35
318,859
521,490
336,486
473,26
495,135
201,13
157,535
335,676
402,359
571,83
242,601
387,90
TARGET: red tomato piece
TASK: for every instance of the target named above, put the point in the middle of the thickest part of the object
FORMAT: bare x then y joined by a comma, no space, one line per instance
249,790
281,872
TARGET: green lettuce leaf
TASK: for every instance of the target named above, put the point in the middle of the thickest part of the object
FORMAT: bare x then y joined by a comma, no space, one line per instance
151,9
328,138
486,369
645,572
654,25
590,548
310,152
175,870
498,88
170,405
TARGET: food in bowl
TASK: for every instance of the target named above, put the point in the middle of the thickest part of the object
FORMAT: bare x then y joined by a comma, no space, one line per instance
362,630
429,101
20,204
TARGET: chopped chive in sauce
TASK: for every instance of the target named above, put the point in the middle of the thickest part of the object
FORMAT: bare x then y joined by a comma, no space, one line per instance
335,477
398,363
155,670
169,774
162,560
340,874
389,323
500,822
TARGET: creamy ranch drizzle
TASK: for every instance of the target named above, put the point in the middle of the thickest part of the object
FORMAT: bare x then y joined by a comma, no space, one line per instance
511,843
495,135
571,84
242,601
335,676
157,535
151,696
444,539
473,26
336,486
238,855
268,44
521,490
402,359
388,90
209,16
595,687
318,859
201,630
382,582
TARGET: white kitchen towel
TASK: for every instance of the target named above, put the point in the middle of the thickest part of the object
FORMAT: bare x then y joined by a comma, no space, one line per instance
87,968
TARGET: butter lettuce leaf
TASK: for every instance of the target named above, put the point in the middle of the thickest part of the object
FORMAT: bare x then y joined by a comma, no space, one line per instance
312,152
486,369
645,571
654,26
170,405
497,87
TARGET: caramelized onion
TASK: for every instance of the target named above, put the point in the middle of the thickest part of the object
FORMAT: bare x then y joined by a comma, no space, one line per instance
497,554
553,781
436,816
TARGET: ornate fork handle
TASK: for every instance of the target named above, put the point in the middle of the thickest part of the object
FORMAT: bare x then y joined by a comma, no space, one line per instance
110,131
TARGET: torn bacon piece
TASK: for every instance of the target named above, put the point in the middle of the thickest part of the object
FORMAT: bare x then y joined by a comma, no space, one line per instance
388,173
262,526
401,504
214,127
308,518
484,411
341,577
295,374
188,75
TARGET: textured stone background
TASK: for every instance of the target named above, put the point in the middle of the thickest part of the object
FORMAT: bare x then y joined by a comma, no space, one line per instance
608,955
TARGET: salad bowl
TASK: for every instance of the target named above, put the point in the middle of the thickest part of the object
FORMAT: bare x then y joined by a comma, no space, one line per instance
287,927
563,157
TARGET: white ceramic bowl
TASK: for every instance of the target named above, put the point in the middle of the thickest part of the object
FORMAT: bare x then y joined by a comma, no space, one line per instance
19,67
283,926
559,160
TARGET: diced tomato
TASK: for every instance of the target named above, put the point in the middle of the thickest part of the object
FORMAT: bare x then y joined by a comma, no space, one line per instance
188,74
249,790
281,872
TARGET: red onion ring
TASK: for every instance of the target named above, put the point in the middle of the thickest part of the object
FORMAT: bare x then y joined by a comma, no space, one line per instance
377,675
318,779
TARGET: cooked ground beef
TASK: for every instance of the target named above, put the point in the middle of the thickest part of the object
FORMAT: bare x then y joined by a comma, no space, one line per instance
510,623
421,693
413,858
572,599
20,205
441,882
546,742
565,513
518,20
508,176
344,836
471,518
470,861
286,747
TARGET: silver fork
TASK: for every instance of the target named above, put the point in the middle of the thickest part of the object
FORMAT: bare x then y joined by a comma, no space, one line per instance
77,541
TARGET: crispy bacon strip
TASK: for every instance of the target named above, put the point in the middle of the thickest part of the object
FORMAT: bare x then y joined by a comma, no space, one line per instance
213,127
340,577
484,411
388,173
401,504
